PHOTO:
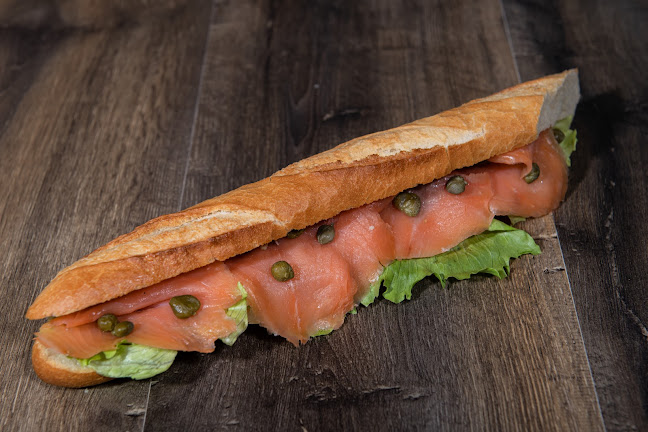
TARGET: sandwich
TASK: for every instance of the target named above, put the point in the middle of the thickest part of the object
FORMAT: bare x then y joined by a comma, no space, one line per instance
298,251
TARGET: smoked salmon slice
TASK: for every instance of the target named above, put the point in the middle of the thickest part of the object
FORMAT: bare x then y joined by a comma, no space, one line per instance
444,220
315,300
148,309
513,195
366,242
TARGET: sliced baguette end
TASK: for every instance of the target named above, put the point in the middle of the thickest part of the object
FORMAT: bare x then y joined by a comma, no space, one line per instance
59,370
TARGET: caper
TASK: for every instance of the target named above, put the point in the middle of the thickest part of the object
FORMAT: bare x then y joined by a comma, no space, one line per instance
294,233
456,185
559,135
282,271
107,322
407,202
123,328
533,174
325,234
184,306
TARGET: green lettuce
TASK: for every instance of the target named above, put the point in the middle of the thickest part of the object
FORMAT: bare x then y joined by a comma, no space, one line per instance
372,294
322,332
516,219
130,360
238,312
568,144
489,252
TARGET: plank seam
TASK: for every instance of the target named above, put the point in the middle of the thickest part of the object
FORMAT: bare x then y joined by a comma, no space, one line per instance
13,405
148,396
509,39
580,330
186,169
196,107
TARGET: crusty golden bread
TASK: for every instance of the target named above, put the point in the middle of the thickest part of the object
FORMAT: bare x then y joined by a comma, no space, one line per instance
57,369
352,174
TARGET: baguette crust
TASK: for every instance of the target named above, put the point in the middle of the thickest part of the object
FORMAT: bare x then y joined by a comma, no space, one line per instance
57,369
350,175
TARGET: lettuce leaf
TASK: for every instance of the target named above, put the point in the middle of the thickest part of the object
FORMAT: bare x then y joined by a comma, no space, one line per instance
238,312
373,293
516,219
489,252
568,144
130,360
322,332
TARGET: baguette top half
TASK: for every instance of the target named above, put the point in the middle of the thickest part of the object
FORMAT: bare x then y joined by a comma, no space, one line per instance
350,175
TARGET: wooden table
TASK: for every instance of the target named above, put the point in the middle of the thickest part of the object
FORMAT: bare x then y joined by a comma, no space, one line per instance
113,114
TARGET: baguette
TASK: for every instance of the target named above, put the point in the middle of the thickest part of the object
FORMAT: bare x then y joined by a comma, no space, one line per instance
59,370
350,175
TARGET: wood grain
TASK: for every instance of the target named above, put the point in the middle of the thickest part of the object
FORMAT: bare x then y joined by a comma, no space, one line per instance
85,14
601,225
285,80
126,111
97,118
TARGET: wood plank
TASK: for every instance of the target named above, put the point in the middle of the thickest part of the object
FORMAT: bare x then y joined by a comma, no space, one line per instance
601,225
96,143
97,14
286,79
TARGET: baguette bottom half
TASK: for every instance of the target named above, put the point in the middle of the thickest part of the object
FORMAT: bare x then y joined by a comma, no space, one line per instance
60,370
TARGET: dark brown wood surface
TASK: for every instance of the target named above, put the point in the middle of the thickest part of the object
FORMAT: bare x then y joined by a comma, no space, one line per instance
601,225
110,118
